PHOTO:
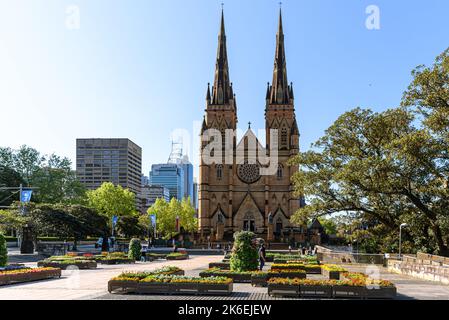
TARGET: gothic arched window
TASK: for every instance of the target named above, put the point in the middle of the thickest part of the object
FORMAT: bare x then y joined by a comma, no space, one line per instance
219,168
280,172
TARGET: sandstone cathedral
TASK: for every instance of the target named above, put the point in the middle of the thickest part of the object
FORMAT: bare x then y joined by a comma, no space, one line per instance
234,195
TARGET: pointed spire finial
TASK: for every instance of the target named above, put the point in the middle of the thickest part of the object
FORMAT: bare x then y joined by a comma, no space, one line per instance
221,89
280,28
222,27
279,94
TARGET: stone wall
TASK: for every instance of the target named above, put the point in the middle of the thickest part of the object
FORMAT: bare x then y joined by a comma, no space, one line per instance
327,255
423,266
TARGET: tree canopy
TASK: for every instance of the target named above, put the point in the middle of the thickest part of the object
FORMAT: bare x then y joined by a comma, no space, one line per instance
51,176
387,168
111,200
167,212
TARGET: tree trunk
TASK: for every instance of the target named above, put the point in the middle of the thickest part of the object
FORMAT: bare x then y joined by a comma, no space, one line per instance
75,245
442,247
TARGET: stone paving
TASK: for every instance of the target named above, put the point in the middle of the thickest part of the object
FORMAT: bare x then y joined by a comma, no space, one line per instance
92,284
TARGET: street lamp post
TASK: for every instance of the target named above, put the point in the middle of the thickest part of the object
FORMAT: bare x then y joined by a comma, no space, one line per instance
404,225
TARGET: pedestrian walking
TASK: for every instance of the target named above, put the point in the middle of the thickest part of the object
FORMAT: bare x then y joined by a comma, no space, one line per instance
262,257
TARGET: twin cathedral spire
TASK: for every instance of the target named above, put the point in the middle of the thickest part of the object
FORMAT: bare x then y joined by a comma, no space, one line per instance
221,111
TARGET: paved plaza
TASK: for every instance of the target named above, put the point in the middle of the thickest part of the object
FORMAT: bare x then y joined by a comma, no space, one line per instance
92,284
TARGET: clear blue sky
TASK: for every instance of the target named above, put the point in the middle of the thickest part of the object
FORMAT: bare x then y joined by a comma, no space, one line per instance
139,68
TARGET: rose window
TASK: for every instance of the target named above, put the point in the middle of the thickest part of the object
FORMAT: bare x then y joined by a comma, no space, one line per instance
249,173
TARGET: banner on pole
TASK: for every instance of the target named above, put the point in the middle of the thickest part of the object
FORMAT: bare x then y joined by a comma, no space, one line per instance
25,196
153,220
114,220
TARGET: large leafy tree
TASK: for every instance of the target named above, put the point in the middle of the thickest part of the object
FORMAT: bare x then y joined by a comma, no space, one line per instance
130,226
57,182
167,212
52,176
64,221
9,178
67,221
387,168
110,200
26,161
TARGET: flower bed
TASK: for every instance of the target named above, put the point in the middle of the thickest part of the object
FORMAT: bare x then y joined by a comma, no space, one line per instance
287,266
28,274
177,256
284,257
186,285
288,273
237,277
128,281
155,256
71,257
315,288
309,269
283,287
357,288
64,264
296,259
158,283
374,289
332,272
114,258
312,269
110,261
260,279
220,265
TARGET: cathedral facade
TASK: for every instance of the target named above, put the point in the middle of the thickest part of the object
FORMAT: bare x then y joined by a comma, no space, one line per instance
234,194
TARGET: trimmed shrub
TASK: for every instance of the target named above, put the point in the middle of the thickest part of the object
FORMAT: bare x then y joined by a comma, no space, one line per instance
244,255
3,251
134,249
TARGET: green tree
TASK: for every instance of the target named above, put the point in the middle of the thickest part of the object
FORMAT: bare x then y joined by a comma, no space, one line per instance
244,255
382,167
26,161
3,251
329,225
68,221
166,214
56,182
9,178
129,226
11,219
111,200
52,176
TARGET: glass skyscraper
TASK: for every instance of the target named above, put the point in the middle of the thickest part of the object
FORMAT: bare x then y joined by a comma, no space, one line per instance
169,175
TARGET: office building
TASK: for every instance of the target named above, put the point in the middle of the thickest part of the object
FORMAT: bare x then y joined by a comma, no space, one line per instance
169,175
150,194
109,160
